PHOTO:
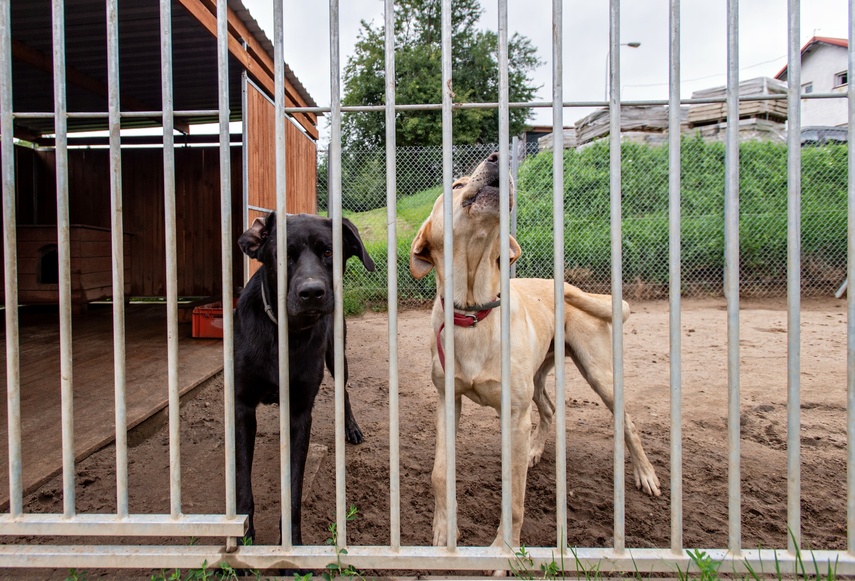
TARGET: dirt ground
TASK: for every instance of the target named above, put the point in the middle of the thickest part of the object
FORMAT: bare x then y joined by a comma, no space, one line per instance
589,441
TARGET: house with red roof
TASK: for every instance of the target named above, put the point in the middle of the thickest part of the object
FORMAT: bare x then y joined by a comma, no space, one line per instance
824,70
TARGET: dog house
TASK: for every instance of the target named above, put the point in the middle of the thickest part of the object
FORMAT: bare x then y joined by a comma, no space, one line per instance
197,168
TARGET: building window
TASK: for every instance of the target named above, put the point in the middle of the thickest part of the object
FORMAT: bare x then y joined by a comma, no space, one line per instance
807,88
841,79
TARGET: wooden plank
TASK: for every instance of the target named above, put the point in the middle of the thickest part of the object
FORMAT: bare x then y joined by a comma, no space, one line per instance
253,67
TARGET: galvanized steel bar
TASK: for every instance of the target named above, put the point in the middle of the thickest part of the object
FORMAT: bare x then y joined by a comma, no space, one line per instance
108,525
642,561
558,269
10,263
794,203
504,285
338,263
226,241
282,276
118,253
850,300
675,282
617,272
448,290
171,258
731,275
392,273
63,237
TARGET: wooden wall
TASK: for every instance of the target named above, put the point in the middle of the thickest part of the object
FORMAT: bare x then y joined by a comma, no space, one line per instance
197,191
301,177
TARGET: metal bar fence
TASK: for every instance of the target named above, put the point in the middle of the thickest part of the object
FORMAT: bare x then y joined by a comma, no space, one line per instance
450,556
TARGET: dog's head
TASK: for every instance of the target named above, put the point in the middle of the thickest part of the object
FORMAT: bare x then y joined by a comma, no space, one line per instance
310,258
475,227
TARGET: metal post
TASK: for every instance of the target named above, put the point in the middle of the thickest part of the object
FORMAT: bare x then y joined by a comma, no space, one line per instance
558,273
10,264
676,366
448,290
338,288
117,230
617,272
63,236
794,163
731,290
515,166
282,277
505,286
226,237
392,269
850,300
171,258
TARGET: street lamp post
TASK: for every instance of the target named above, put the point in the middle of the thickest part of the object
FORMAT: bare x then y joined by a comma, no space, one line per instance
608,54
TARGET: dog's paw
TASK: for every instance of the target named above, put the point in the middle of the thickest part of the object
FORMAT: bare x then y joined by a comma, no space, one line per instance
534,457
353,434
646,480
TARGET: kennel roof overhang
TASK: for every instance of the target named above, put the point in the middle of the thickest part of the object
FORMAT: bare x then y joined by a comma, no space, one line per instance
194,62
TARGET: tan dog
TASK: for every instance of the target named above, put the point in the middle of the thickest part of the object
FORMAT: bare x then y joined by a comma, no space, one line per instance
477,348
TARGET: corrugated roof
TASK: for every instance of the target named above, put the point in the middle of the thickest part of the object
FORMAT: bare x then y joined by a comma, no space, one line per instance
810,45
195,74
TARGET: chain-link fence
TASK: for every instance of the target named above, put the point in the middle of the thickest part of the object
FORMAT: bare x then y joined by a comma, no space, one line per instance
763,215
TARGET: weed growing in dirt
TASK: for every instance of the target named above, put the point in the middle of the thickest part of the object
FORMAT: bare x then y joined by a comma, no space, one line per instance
339,569
75,575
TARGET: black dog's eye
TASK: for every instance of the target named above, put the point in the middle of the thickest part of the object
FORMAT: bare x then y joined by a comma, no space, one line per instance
327,253
457,186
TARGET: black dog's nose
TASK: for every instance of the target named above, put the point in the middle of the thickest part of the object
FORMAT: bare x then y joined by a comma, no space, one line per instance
312,291
493,157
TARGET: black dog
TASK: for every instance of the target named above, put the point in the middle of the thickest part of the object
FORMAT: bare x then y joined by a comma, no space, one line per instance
310,305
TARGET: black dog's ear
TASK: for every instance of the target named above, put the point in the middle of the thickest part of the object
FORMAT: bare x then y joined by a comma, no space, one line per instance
252,240
353,246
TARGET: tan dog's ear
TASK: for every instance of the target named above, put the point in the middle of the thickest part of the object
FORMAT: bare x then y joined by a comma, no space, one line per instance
421,262
516,251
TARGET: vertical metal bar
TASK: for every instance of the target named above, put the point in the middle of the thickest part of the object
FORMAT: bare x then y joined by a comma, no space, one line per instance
171,259
282,276
448,290
676,365
10,264
558,269
515,166
338,287
731,290
63,247
392,269
617,270
794,178
244,82
505,272
850,299
226,253
117,232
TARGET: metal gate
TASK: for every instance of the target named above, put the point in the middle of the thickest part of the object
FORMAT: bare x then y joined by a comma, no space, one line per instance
395,556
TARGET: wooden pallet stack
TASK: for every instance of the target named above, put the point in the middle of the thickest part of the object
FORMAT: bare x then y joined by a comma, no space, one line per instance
701,114
634,120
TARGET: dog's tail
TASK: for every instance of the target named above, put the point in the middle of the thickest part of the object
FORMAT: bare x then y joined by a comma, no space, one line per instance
599,306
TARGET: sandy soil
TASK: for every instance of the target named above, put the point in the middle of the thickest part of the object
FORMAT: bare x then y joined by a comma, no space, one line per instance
589,441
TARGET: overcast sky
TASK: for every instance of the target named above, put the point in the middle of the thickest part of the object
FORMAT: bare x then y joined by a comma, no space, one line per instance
644,70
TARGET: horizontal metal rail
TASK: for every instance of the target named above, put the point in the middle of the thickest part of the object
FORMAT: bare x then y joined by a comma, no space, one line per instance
108,525
642,561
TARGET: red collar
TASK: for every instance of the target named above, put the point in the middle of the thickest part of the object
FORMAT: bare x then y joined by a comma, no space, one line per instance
468,319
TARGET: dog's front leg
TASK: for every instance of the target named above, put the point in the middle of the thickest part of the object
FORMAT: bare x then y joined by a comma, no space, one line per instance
301,429
245,429
438,477
520,442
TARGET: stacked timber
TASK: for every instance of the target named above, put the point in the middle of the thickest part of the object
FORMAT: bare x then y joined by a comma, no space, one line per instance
569,135
713,113
649,120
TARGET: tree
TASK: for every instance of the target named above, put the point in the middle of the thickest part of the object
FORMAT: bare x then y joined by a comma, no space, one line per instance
418,77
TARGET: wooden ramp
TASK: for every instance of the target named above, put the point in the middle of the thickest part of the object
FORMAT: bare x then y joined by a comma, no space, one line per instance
93,379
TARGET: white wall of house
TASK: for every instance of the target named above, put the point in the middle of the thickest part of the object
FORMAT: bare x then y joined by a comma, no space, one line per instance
820,67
